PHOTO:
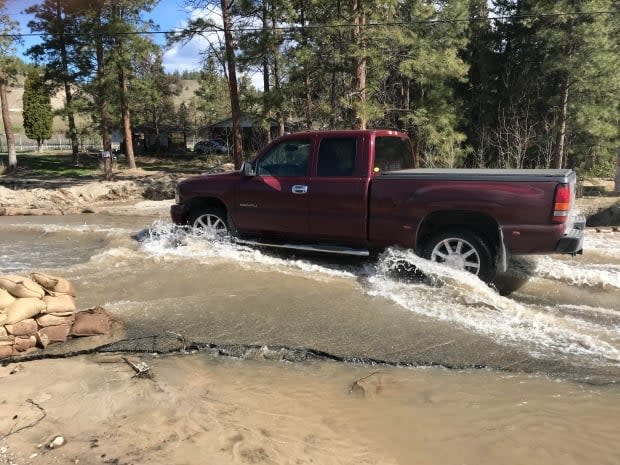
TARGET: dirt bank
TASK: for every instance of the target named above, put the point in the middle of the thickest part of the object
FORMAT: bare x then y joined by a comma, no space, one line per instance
63,195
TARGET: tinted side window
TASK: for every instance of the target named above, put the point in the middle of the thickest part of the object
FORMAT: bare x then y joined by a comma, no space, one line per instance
392,153
337,157
289,158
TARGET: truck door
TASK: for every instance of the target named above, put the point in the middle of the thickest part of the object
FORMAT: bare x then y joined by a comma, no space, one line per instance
338,192
276,199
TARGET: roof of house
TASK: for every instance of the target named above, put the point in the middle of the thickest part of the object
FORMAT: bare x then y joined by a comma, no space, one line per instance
247,121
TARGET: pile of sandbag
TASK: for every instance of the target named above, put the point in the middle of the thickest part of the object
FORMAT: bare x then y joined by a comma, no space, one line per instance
40,310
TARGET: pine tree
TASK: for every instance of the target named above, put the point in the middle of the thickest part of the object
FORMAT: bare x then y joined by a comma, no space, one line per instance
125,18
61,49
37,109
183,118
227,57
260,50
152,91
212,94
557,84
424,67
479,93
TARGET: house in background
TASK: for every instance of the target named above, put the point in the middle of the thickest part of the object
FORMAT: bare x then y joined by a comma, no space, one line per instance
166,139
255,135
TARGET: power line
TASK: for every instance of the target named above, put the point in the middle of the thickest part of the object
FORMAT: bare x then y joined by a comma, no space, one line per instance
329,26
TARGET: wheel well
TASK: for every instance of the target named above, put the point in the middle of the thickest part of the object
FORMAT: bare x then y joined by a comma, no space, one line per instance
481,224
204,202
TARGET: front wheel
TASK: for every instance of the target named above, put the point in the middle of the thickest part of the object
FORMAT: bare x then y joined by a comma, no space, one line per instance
462,250
209,218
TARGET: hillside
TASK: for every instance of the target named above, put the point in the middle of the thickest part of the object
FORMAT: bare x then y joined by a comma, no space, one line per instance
16,92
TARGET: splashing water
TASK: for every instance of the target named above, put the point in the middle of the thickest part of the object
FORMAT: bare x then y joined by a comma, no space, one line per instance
435,291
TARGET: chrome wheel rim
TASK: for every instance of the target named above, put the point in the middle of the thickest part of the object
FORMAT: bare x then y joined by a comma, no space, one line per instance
457,253
211,222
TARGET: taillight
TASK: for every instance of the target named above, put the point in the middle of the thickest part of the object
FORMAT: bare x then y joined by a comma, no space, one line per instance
561,203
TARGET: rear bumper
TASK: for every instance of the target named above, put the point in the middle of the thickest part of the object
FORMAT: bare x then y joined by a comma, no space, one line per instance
177,213
572,241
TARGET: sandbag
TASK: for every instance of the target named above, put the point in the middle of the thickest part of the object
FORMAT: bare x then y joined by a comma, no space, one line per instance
23,343
54,284
6,299
6,341
55,333
19,286
22,309
91,322
6,351
59,304
3,317
3,331
55,319
23,328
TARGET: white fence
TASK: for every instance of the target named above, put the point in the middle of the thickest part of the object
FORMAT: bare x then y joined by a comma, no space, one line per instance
57,142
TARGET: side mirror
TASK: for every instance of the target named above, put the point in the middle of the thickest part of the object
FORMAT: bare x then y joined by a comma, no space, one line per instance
247,169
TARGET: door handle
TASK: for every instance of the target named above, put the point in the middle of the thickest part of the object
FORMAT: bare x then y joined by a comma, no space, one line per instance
299,189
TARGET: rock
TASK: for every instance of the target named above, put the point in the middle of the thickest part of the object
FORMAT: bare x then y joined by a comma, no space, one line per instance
609,216
57,442
369,386
11,211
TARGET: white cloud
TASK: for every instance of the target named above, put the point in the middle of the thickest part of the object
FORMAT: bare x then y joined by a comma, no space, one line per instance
190,55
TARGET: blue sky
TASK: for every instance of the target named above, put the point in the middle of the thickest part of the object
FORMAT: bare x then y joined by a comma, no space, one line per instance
169,14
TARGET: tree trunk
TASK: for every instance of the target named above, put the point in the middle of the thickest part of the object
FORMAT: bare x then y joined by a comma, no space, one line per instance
75,149
104,123
308,95
102,103
232,84
122,77
123,87
308,101
558,158
617,181
276,80
358,83
332,100
265,19
6,119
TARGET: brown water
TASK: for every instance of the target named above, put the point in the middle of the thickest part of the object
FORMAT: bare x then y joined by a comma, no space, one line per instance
550,348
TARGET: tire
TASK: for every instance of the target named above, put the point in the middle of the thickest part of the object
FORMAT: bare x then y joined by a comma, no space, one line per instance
211,218
462,250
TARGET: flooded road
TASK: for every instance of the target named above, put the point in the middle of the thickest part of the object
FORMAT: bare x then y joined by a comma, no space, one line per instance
560,317
537,362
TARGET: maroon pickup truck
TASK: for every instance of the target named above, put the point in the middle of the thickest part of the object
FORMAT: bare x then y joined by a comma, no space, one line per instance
355,192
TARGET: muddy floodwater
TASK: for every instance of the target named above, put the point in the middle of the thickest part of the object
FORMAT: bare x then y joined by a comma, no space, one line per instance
528,373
